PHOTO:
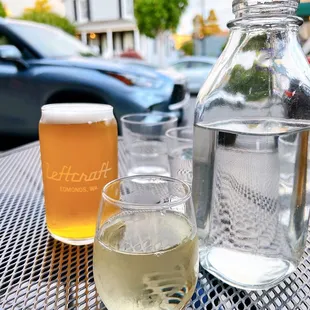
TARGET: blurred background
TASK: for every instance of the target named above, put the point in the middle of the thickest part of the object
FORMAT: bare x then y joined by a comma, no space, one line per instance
110,27
137,55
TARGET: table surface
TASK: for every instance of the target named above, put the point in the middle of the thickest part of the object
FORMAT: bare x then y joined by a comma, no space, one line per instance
38,272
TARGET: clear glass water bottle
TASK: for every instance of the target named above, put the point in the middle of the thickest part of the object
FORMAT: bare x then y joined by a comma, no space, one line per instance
250,175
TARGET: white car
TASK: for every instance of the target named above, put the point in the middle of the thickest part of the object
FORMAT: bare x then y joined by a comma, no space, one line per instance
196,70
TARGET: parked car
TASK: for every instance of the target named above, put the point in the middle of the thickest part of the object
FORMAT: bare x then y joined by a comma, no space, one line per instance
181,90
40,64
196,70
177,77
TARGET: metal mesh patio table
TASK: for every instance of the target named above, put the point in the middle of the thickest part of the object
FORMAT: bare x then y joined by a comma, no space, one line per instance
38,272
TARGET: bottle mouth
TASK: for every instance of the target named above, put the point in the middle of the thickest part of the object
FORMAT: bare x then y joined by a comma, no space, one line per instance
243,8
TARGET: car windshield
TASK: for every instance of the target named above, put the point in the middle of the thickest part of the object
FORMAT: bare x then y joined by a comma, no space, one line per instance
145,65
142,64
51,42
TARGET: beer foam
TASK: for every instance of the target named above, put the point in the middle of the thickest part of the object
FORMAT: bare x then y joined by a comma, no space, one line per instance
76,113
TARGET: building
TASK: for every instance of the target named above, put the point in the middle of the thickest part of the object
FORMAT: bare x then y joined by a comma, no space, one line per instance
109,27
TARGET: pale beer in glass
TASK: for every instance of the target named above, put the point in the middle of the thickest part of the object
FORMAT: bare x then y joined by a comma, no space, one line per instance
79,156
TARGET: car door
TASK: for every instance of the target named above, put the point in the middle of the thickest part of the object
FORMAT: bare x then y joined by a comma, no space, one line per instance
17,94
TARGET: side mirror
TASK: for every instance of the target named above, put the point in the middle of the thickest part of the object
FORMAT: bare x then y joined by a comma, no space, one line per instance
9,53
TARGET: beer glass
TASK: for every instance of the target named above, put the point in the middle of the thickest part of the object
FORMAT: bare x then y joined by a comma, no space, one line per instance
146,248
78,145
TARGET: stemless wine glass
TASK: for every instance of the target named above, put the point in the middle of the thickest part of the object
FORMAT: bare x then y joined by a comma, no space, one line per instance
146,247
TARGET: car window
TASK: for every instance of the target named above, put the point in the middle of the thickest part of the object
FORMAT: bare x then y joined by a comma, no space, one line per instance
180,66
61,45
199,65
4,40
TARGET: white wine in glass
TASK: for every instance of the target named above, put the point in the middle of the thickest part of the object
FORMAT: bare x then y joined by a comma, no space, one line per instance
146,259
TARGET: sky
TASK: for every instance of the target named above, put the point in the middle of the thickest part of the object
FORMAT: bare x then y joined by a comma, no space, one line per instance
221,7
16,7
223,10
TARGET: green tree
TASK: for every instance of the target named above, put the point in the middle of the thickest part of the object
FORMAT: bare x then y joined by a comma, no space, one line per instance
2,10
188,48
40,6
154,17
50,18
257,43
254,83
211,26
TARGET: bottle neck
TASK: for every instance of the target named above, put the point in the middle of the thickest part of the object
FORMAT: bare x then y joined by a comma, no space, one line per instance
267,22
252,8
275,17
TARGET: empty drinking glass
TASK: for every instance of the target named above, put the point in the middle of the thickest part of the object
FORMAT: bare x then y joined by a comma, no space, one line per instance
180,150
144,137
146,248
